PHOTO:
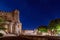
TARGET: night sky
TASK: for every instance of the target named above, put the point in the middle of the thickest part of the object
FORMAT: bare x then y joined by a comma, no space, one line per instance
33,12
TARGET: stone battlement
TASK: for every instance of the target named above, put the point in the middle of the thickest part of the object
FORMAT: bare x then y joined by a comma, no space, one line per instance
12,22
10,16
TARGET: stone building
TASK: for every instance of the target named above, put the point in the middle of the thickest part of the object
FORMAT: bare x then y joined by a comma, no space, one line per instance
12,22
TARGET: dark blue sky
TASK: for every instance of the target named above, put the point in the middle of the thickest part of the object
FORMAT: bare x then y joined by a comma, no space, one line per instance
33,12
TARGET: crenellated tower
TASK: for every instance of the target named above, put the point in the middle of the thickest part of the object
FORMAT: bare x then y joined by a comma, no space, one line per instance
12,22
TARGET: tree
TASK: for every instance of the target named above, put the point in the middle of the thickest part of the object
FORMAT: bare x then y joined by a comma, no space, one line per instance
54,25
2,21
42,28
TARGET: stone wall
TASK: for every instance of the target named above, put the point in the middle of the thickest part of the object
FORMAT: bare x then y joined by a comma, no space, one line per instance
10,16
11,21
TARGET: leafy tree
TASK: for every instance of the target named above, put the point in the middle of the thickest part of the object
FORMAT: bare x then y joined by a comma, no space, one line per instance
2,21
55,25
42,28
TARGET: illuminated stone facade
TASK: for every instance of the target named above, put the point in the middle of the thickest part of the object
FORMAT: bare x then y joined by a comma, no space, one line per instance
12,22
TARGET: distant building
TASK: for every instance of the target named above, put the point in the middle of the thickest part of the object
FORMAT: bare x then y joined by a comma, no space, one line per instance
29,32
12,22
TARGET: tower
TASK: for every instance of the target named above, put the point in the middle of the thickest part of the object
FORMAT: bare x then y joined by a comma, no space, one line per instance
12,22
18,24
